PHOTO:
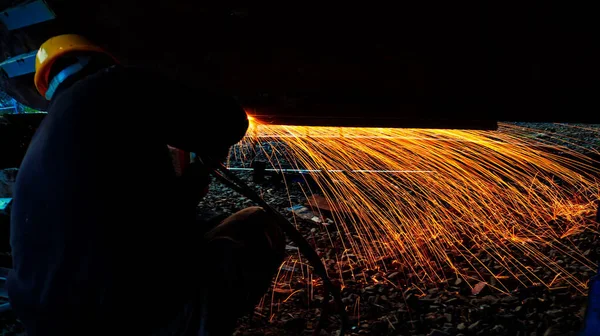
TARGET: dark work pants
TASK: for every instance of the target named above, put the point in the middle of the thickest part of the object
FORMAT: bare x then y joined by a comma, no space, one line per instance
238,260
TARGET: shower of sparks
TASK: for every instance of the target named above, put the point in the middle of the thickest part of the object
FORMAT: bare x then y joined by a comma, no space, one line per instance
431,199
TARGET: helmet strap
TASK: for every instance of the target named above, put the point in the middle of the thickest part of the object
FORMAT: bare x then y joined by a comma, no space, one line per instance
67,72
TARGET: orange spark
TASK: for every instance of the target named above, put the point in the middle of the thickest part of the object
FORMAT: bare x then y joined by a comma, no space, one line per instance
423,197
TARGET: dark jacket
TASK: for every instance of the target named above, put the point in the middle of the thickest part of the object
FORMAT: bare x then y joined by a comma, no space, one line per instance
100,232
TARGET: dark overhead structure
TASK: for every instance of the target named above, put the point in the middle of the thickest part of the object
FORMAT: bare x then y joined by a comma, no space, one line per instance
414,64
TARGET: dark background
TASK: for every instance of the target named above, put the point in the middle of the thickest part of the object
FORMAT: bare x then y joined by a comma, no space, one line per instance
414,64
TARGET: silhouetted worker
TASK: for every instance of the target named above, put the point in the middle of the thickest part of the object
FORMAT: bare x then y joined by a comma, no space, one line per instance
103,231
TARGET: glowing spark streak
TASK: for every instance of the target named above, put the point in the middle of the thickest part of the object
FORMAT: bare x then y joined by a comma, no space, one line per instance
426,197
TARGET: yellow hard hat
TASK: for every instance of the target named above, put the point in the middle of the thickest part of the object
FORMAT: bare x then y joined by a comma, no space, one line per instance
53,49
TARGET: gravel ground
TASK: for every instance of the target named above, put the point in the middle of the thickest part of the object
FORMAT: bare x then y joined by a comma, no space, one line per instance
578,137
393,301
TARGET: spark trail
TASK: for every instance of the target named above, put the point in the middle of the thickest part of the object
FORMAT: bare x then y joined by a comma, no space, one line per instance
427,197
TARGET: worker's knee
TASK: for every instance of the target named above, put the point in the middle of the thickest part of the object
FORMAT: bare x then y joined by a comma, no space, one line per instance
249,213
253,226
264,225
